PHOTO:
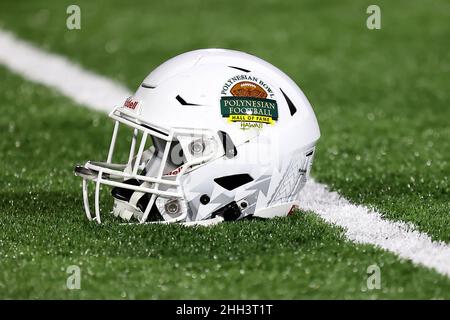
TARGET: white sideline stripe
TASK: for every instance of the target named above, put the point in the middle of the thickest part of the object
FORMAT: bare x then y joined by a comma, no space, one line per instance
364,225
361,224
84,87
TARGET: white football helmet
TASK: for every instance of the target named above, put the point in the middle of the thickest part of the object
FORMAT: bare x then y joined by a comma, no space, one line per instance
220,135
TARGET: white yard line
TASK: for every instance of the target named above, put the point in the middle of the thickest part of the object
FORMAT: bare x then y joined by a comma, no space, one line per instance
361,224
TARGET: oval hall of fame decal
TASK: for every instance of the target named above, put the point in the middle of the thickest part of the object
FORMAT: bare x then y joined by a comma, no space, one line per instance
249,101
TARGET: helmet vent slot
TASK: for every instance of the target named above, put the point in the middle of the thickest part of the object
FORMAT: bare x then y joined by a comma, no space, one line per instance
291,106
122,193
234,181
183,102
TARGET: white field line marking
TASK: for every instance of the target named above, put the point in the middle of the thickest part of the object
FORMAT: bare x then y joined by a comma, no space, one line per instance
361,224
84,87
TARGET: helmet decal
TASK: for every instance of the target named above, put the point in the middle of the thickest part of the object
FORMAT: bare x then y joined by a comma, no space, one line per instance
248,101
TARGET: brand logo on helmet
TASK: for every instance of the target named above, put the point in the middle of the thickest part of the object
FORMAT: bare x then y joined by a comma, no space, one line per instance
248,100
131,104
